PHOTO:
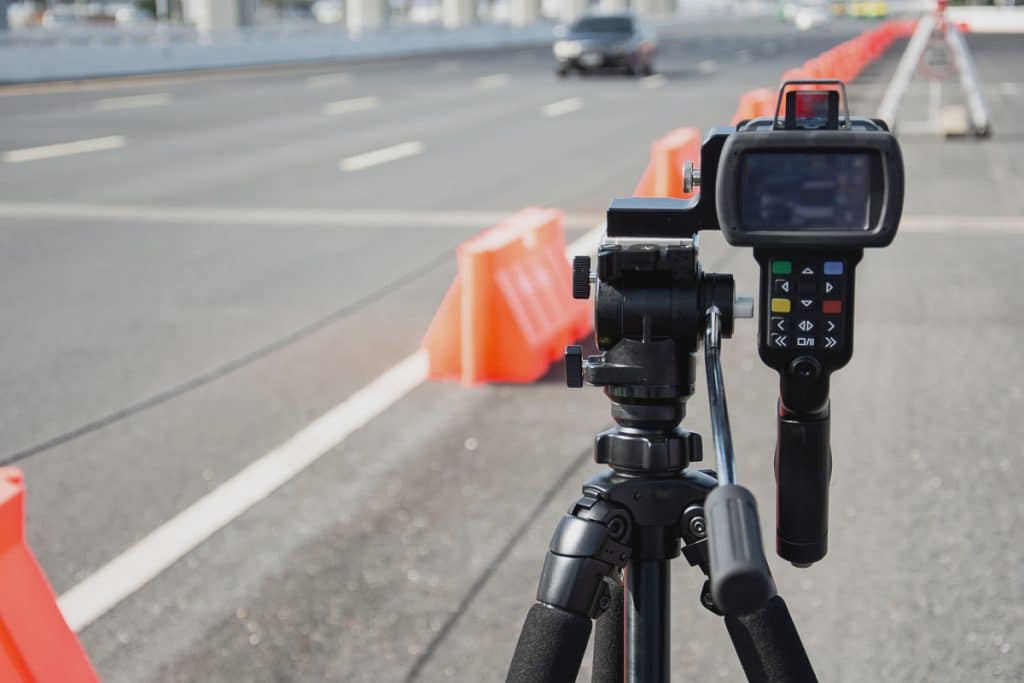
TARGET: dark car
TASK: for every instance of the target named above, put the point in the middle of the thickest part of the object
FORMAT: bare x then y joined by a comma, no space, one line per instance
606,41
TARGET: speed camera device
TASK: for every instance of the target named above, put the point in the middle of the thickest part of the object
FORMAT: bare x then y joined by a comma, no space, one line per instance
808,189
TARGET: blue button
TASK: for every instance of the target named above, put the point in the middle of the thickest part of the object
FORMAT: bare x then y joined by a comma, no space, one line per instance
833,267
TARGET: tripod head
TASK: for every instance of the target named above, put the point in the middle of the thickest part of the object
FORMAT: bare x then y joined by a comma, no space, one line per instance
652,298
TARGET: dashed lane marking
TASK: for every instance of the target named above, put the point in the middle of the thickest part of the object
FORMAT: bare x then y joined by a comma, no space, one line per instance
655,81
385,155
562,107
492,82
351,105
132,102
328,80
17,156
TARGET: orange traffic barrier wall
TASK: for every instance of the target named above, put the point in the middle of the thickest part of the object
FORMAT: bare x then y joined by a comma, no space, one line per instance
664,174
845,62
510,312
754,104
36,645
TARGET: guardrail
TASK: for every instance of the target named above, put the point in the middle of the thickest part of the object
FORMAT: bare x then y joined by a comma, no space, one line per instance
99,51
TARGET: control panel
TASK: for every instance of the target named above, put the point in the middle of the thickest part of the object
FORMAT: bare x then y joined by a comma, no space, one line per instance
806,307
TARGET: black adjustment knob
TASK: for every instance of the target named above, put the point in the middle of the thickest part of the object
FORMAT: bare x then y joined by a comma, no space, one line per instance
580,278
574,366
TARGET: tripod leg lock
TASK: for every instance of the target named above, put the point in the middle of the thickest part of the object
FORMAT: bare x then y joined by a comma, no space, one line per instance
584,551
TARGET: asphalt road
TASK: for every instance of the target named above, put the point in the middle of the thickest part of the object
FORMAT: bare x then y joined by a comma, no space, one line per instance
180,304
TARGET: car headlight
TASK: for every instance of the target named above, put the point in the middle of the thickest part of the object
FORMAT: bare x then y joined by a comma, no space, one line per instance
567,49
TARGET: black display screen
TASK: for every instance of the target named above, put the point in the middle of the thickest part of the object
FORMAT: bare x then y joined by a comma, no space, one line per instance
795,190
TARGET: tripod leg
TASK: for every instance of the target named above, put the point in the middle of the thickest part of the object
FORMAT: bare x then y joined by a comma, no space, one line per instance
550,647
769,647
584,550
609,653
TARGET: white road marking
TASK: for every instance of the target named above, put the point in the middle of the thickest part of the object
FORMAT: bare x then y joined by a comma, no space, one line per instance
327,80
17,156
562,107
447,67
351,105
655,81
963,225
491,82
1009,89
381,156
281,217
133,102
98,593
708,66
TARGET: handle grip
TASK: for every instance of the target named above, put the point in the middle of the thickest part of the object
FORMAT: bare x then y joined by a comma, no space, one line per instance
740,580
803,467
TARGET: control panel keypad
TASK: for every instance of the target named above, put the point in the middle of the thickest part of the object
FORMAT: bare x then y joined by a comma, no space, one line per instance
807,304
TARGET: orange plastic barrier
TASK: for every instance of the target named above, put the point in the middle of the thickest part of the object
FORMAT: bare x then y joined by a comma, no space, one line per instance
36,645
510,312
847,60
754,104
664,174
645,188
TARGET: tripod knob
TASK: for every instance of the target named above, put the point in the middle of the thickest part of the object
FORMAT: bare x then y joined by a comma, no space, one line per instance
580,278
574,366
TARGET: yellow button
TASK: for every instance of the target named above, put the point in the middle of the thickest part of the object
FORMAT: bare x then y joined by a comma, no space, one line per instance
780,305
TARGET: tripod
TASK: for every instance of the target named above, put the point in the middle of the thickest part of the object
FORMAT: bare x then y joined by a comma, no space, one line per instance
609,558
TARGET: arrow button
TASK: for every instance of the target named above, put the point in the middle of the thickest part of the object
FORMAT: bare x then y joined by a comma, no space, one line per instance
807,270
807,304
830,342
805,325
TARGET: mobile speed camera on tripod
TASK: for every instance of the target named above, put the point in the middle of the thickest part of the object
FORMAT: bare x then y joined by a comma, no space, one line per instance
808,189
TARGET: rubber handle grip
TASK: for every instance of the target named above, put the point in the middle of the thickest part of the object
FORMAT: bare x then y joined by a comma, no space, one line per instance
769,647
741,582
803,468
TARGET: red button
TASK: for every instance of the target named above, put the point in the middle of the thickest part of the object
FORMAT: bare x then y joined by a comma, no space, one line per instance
832,306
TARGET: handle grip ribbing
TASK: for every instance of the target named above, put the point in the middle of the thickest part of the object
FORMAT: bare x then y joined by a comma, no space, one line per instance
741,582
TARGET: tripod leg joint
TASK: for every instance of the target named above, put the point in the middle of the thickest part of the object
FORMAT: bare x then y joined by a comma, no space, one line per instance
587,546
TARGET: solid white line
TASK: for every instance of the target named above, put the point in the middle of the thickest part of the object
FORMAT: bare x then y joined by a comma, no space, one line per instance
278,217
963,225
708,66
381,156
132,102
141,563
17,156
562,107
351,105
492,81
327,80
169,542
655,81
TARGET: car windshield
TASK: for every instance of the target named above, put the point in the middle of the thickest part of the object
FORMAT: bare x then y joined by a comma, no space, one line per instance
603,25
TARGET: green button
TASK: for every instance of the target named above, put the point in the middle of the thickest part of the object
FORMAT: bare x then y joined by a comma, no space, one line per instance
782,267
